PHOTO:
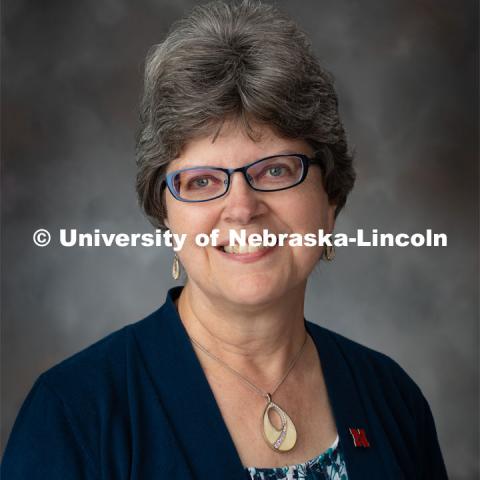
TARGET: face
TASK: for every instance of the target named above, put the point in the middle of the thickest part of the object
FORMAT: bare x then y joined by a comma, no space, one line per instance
267,275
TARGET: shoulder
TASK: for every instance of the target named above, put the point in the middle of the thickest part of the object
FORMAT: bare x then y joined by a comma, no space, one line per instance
103,359
82,407
390,394
375,369
59,421
99,371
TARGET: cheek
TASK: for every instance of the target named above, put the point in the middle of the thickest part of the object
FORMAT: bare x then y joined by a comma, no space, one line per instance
185,218
308,214
190,220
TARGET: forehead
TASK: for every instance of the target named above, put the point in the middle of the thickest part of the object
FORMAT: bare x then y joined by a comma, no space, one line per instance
231,146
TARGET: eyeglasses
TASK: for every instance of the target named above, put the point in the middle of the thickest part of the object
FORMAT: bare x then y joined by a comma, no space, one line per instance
269,174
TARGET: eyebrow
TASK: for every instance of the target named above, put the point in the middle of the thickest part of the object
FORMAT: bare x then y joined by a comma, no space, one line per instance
287,151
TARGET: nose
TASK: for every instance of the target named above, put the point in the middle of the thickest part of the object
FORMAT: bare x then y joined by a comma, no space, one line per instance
242,204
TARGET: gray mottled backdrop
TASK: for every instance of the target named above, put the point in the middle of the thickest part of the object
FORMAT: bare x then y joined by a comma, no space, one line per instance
406,75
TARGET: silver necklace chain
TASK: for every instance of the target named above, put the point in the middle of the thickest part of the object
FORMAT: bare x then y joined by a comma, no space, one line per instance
258,390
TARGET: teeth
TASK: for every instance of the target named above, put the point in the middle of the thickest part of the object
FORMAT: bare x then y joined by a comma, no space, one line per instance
242,248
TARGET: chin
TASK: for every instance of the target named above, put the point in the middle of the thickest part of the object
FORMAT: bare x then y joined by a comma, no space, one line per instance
252,289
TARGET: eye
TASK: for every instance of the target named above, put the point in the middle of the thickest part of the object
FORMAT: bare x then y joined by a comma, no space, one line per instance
201,182
275,171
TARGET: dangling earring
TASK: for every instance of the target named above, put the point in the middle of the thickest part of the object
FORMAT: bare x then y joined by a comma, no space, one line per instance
329,252
175,267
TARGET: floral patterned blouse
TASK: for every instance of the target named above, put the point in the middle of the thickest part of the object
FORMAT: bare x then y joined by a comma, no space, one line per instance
329,465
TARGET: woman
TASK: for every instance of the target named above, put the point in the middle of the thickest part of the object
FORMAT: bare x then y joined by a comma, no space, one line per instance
227,380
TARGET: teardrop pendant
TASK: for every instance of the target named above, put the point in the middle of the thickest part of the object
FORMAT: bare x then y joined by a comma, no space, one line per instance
282,440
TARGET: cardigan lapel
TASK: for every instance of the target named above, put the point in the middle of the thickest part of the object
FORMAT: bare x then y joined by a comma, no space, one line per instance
186,396
195,417
350,411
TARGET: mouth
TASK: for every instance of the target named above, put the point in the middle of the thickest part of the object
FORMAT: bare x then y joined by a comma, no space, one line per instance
241,249
244,253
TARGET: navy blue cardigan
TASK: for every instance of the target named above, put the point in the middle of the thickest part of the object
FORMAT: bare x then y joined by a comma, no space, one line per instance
137,405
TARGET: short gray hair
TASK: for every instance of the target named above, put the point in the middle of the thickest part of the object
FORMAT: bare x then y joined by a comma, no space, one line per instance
245,61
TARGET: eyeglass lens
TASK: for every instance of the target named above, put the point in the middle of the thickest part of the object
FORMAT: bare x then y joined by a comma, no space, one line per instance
273,173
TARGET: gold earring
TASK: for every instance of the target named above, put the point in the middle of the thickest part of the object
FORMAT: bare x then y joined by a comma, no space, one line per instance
175,267
329,252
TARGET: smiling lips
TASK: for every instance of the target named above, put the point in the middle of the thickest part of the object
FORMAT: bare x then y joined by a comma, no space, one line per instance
236,249
244,253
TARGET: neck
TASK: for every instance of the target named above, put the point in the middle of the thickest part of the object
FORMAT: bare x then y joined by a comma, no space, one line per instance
259,342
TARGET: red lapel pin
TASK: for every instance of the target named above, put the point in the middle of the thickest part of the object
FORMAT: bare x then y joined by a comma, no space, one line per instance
359,437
